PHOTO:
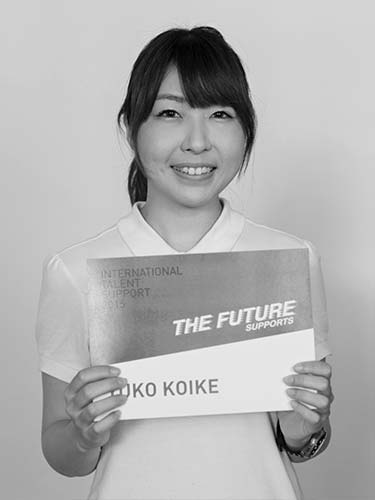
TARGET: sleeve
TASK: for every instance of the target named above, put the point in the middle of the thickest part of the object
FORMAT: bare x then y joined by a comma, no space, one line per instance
319,306
61,326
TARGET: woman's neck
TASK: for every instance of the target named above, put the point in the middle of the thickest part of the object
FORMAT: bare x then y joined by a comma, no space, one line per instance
181,227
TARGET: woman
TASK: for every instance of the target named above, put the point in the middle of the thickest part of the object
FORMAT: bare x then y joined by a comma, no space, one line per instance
191,125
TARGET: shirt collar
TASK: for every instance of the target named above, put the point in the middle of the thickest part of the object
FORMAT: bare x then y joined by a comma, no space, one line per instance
142,239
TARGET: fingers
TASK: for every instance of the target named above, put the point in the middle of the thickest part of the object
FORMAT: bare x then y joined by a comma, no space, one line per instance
311,416
97,433
88,384
316,382
318,401
92,374
98,428
94,389
93,410
321,368
311,391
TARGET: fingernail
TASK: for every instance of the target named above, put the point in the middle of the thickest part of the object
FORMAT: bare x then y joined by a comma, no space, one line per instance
115,371
298,366
289,379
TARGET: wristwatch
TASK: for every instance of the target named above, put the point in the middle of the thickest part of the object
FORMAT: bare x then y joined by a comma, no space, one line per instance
309,449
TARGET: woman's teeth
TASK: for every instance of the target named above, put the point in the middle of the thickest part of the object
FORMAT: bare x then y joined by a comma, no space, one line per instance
195,171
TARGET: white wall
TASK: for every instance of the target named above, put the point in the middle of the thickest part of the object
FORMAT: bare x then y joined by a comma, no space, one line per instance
64,69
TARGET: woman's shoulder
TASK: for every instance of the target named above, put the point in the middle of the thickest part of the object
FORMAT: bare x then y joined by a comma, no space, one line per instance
262,237
72,259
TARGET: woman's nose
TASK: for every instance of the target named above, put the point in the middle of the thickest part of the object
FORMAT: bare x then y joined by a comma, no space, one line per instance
196,136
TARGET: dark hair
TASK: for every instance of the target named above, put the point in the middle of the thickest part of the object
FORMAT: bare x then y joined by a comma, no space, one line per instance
211,73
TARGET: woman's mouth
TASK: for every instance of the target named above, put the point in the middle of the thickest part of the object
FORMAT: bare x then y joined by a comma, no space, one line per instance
194,171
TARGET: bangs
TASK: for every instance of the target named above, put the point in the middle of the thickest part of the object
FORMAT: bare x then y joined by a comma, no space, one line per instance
208,76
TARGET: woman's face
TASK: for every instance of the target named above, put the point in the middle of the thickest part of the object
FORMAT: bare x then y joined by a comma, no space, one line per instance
189,155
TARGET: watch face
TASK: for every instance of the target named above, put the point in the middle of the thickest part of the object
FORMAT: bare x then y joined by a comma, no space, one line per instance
315,443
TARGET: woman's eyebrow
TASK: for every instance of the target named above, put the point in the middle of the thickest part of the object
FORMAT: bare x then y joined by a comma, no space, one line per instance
181,99
172,97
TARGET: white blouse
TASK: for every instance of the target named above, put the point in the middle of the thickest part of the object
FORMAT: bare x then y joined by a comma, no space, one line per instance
230,457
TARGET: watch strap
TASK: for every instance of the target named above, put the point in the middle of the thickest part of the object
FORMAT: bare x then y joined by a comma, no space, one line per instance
308,450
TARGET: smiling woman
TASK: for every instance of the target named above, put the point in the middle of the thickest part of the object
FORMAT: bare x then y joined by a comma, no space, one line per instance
192,77
189,120
187,154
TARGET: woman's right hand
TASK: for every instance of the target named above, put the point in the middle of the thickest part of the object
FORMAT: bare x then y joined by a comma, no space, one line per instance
88,384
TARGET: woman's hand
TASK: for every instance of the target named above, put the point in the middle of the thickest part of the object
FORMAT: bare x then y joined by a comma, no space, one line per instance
88,384
298,425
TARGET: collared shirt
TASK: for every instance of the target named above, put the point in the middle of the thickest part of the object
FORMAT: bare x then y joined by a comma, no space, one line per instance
203,457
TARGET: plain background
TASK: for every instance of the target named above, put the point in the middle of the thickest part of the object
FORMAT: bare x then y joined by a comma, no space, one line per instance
64,71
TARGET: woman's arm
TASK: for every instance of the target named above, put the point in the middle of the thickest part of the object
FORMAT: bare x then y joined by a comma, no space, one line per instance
71,437
59,439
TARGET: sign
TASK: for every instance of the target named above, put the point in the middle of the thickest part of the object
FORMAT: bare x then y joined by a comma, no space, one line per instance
199,334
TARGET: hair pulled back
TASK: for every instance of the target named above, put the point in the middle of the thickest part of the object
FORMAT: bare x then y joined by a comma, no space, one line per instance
211,73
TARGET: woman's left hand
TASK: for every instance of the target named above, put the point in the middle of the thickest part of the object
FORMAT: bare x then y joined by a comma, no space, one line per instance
299,424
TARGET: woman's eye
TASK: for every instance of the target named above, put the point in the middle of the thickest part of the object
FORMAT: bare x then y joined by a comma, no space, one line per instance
168,113
223,114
